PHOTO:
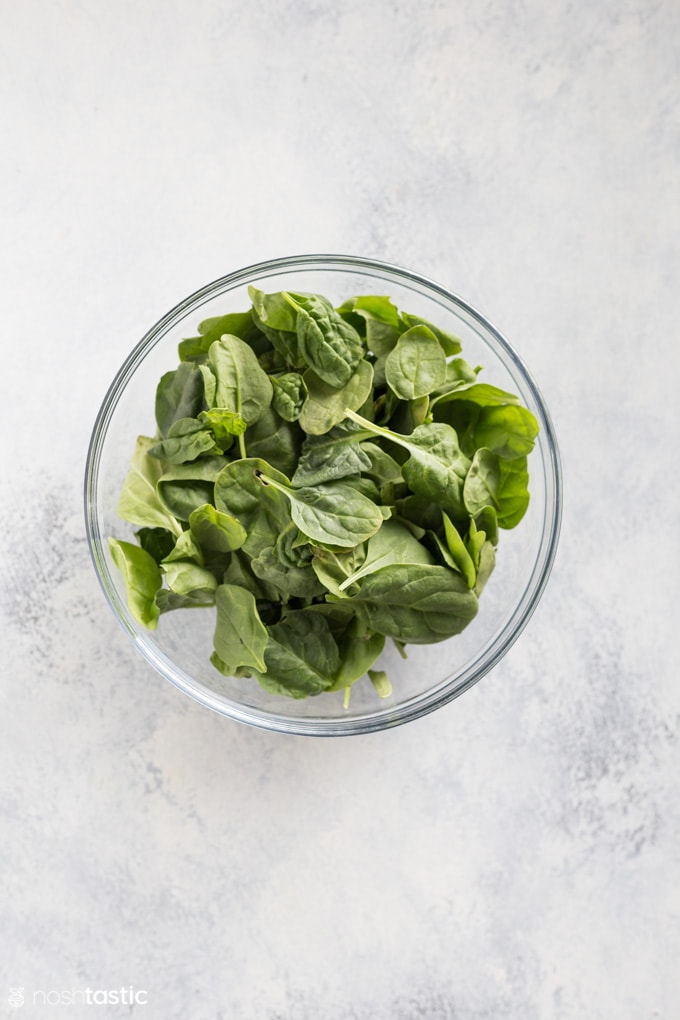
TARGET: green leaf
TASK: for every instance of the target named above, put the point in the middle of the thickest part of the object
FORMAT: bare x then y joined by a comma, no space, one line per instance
500,483
328,344
393,544
276,317
216,531
357,655
224,425
139,500
417,365
301,656
275,440
238,324
167,600
187,440
184,487
242,385
436,467
158,542
332,513
417,603
450,344
326,405
334,566
487,561
179,395
184,577
186,548
290,580
335,454
290,393
261,510
461,557
142,577
240,636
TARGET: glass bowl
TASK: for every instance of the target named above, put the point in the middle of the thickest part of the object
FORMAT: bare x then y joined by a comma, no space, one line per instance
431,675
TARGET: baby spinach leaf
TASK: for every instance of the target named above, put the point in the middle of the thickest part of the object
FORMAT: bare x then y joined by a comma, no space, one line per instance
417,364
184,487
450,344
487,561
415,603
224,425
393,544
139,500
459,554
239,572
186,548
167,600
184,577
328,344
238,324
290,393
334,566
500,483
242,386
335,454
158,542
187,439
240,636
142,577
326,404
482,394
508,429
301,656
179,395
357,655
436,467
262,510
275,440
289,579
216,531
276,316
209,385
332,513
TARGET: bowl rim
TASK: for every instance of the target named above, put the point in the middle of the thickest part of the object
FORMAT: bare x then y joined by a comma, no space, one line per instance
419,705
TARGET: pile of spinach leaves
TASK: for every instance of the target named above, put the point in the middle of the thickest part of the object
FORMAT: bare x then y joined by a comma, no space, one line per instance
325,478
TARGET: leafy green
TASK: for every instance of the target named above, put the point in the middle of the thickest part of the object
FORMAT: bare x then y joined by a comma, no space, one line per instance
325,478
417,364
139,500
240,636
242,386
416,603
179,395
301,656
332,513
142,579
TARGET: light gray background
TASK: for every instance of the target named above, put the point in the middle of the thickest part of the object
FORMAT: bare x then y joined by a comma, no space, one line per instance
514,855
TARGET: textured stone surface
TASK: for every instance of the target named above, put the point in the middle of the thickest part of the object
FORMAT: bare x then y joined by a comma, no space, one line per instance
514,855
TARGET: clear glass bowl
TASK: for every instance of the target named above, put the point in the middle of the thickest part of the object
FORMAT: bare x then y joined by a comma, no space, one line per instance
432,674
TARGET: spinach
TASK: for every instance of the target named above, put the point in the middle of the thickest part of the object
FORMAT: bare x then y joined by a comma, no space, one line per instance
436,467
417,364
415,603
142,579
242,386
179,395
140,502
326,405
301,656
290,393
332,513
324,478
240,636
